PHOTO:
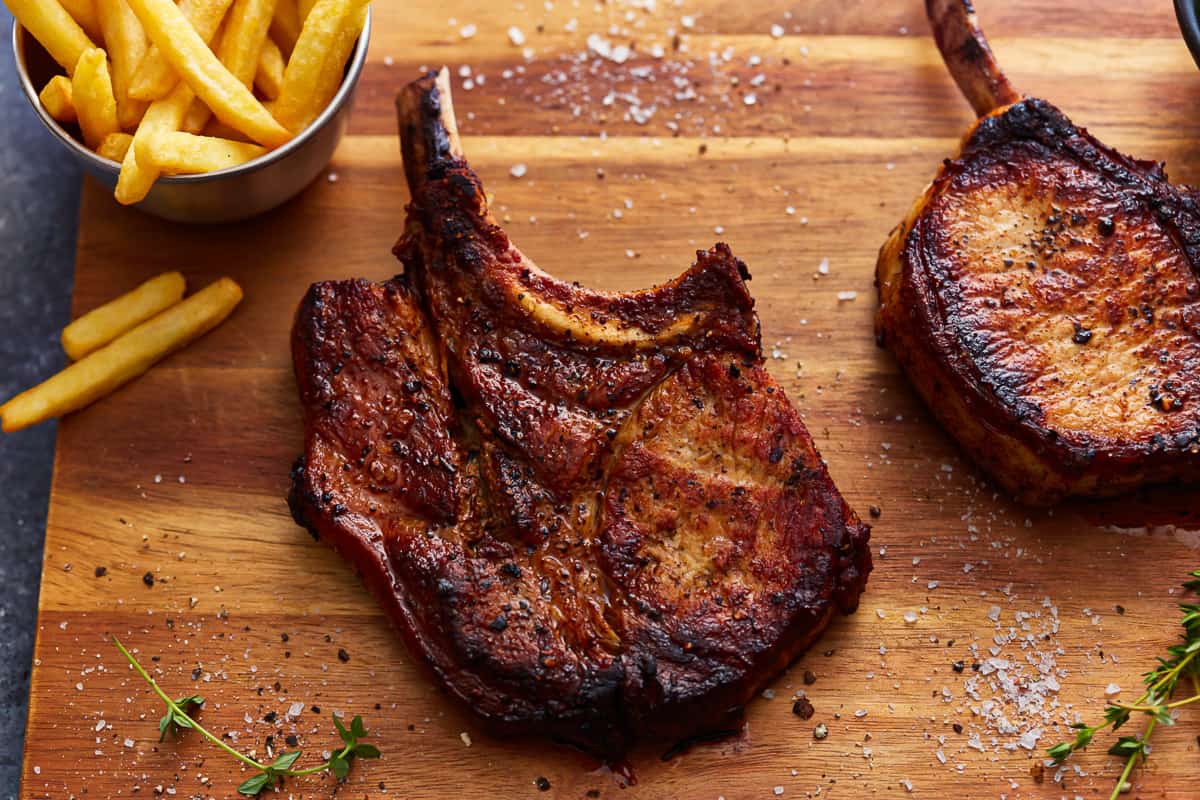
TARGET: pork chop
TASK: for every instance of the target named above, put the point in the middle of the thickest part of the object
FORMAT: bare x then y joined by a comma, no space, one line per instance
1042,296
593,515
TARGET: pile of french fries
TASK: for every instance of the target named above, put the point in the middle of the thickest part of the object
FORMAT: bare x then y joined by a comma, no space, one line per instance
119,341
195,87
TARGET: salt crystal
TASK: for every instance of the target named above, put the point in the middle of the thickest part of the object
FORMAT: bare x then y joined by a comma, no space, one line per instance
910,617
862,712
778,790
295,709
776,31
847,296
823,267
466,738
1111,690
467,31
994,613
516,36
100,725
750,99
517,170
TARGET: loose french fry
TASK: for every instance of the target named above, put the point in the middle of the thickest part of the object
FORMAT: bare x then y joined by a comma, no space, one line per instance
198,66
84,12
155,77
285,25
300,80
49,23
101,325
163,116
126,44
124,359
187,154
333,72
115,146
91,91
57,100
269,77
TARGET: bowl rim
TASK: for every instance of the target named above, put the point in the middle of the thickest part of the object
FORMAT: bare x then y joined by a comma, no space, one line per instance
1188,15
353,71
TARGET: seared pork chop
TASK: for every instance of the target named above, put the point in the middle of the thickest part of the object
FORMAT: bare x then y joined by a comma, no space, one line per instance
593,515
1042,296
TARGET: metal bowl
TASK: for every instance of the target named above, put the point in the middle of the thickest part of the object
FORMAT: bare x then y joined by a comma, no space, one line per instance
1188,14
226,195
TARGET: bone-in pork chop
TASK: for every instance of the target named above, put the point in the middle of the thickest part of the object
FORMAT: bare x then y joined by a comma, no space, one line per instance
594,515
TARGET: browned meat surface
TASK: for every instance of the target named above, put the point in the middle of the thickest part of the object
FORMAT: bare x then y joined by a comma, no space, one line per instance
1043,296
594,515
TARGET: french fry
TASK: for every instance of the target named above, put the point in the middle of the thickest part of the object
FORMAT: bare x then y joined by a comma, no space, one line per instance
285,25
198,66
125,42
245,35
186,154
115,146
49,23
57,100
220,130
269,77
239,50
320,33
155,77
163,116
84,12
124,359
333,72
91,91
304,7
196,118
101,325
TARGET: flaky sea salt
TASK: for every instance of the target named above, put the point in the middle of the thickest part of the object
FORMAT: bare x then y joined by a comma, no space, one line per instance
517,170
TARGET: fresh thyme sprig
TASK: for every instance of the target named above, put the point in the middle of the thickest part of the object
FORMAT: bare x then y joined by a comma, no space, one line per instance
177,719
1157,702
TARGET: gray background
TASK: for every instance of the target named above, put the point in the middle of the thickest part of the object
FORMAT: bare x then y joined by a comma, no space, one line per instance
39,208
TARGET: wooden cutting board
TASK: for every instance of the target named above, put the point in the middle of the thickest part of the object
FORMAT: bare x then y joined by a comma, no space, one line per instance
181,476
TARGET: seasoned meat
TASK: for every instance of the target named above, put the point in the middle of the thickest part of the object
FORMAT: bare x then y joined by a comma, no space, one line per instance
1043,296
593,515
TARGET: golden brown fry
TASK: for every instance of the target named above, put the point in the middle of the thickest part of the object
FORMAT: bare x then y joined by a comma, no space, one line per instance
91,91
56,99
239,50
188,154
318,37
126,44
115,146
269,77
163,116
124,359
285,25
101,325
333,72
196,118
304,7
84,12
245,35
220,130
155,77
49,23
187,52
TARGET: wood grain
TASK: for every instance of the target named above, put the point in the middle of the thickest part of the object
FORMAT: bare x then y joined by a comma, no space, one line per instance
182,474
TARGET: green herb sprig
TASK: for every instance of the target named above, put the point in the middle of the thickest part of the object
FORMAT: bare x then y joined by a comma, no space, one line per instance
178,719
1181,667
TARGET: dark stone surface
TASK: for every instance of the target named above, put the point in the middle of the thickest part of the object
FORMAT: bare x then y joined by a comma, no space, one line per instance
39,207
